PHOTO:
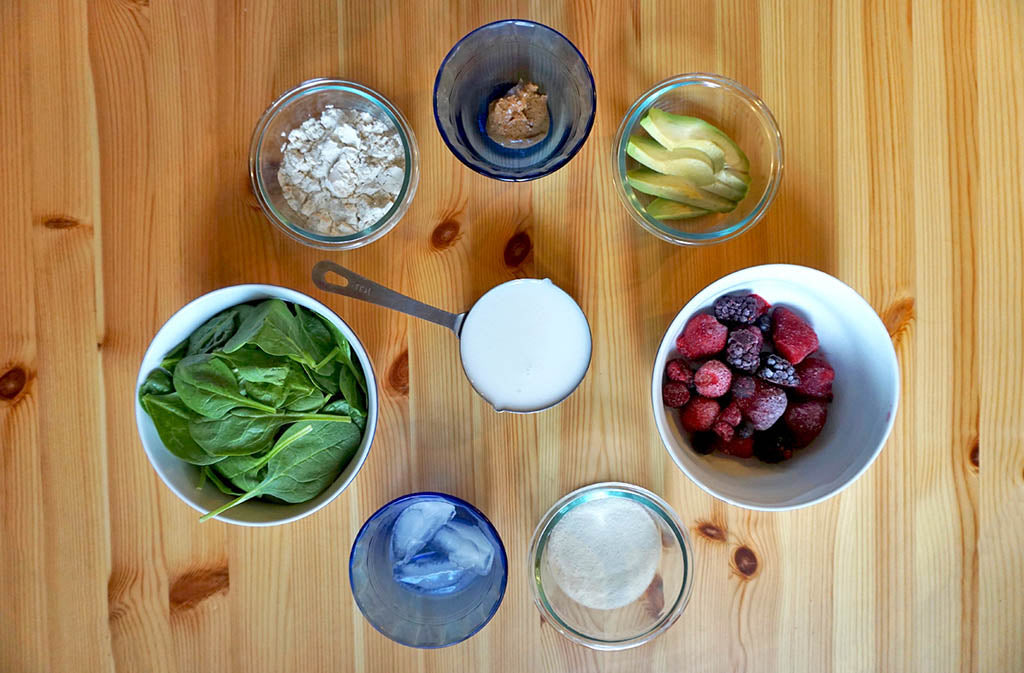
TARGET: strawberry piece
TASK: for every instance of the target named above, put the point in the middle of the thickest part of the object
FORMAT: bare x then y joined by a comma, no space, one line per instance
699,414
762,305
675,394
805,421
740,448
723,430
677,370
712,379
816,376
731,415
793,337
702,336
761,403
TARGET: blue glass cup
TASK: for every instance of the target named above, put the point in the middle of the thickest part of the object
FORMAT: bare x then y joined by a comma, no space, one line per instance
411,597
483,66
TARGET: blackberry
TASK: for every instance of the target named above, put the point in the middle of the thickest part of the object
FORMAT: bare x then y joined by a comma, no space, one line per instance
703,442
764,323
770,446
743,350
742,310
779,371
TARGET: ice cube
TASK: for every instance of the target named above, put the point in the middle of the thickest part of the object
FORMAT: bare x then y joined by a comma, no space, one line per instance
433,572
466,546
416,526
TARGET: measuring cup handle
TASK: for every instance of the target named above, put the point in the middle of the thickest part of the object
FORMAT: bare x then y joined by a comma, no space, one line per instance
358,287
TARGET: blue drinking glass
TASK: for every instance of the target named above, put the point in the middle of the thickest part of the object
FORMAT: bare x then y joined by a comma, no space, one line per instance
426,601
488,62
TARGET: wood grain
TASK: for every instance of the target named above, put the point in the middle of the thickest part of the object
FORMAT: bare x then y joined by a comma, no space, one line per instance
126,127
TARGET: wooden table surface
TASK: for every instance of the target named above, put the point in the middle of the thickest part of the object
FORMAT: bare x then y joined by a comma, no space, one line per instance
126,127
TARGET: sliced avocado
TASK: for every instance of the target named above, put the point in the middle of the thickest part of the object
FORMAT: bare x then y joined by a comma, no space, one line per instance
663,209
673,130
677,189
733,178
725,188
686,162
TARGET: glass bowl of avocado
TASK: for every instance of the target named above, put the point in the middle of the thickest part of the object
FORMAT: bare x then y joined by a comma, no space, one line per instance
698,159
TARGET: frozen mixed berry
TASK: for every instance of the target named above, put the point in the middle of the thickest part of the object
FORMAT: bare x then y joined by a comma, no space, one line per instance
743,349
779,371
731,415
703,442
762,305
793,337
744,430
816,376
677,370
699,414
737,308
675,394
723,430
805,421
702,336
712,379
764,323
739,447
761,403
770,447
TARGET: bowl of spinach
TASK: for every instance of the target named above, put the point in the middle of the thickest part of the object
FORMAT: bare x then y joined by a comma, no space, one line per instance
256,405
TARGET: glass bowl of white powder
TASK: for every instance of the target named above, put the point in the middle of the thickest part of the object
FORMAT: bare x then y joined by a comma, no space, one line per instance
611,566
333,164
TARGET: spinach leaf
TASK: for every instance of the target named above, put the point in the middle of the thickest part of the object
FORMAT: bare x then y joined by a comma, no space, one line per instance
328,384
349,387
175,355
274,329
244,432
308,403
344,355
214,333
343,408
252,364
171,417
157,383
222,486
265,393
305,460
318,338
242,472
209,388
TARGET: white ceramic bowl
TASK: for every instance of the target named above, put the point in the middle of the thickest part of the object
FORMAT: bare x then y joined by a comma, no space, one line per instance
183,478
866,389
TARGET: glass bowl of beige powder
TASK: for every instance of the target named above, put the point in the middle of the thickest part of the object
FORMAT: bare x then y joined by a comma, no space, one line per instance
611,566
333,164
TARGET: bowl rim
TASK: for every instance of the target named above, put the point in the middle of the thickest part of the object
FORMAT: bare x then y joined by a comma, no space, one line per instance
559,509
286,294
720,285
536,174
648,99
476,512
410,181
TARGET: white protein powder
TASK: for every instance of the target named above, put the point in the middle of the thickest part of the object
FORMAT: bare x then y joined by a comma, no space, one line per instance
342,171
604,553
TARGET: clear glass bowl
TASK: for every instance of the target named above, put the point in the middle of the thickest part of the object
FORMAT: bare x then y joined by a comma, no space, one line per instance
488,62
738,112
309,99
413,618
637,622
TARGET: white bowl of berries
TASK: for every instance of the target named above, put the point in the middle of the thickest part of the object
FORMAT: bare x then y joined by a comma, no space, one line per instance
775,387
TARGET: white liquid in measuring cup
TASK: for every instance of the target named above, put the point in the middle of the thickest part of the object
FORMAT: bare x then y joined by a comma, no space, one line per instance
525,345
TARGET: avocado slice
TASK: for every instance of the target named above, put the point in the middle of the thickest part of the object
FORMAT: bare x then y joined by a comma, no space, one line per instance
685,162
672,131
663,209
677,189
733,178
726,187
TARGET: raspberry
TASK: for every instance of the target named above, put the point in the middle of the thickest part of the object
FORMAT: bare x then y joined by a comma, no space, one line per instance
702,336
699,414
777,370
675,394
723,430
793,337
762,305
764,323
740,448
703,442
731,415
805,421
737,309
762,403
743,349
676,370
770,447
816,376
712,379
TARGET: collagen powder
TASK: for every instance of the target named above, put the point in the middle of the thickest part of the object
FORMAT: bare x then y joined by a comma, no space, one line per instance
343,170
